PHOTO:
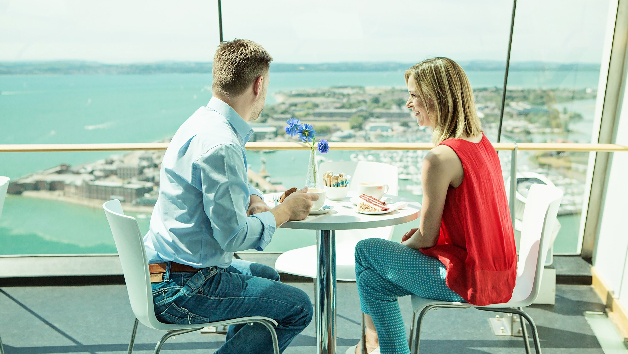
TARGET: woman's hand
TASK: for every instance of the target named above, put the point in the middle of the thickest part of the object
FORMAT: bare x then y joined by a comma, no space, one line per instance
408,234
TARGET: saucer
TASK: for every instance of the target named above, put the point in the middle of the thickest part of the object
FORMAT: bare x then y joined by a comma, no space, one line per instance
323,210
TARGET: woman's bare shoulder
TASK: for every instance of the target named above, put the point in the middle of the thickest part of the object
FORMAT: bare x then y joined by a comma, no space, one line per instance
441,154
442,161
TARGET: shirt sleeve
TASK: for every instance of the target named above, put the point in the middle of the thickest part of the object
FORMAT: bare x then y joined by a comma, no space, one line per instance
255,191
226,197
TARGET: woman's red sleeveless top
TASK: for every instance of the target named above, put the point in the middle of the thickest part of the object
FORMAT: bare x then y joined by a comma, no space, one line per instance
476,242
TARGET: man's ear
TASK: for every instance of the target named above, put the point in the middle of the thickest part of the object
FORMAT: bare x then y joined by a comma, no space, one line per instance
258,84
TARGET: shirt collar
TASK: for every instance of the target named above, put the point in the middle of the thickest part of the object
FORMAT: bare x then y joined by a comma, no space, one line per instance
241,127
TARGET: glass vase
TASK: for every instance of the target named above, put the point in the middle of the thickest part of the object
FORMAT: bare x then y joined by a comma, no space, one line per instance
312,169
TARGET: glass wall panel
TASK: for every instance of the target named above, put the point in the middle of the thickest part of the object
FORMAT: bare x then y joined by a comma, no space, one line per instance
91,72
551,96
87,72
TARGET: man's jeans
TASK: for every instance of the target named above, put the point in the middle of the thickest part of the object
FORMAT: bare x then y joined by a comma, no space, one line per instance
241,290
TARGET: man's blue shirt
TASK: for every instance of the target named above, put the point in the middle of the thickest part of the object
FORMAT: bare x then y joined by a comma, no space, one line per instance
200,217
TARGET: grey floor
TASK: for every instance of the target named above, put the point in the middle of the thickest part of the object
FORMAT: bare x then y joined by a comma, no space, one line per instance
98,319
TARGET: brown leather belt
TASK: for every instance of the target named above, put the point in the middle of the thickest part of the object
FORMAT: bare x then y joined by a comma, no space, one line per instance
157,270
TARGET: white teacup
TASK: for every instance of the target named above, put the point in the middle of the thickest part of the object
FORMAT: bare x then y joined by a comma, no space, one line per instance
376,190
317,204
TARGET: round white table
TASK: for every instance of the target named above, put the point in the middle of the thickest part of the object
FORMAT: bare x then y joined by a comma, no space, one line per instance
342,216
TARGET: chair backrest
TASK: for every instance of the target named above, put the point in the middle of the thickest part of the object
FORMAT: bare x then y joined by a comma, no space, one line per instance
128,239
539,218
364,171
4,184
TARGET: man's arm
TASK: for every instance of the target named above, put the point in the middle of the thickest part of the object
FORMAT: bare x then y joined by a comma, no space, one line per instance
226,201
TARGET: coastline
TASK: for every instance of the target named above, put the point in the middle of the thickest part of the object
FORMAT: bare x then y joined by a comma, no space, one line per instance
92,203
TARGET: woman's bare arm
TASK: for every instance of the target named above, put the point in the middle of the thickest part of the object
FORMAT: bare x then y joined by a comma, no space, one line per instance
441,169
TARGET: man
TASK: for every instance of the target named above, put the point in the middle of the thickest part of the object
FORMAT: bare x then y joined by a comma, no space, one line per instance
206,211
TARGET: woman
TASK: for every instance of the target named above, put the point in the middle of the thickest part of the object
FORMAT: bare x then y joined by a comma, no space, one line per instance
464,249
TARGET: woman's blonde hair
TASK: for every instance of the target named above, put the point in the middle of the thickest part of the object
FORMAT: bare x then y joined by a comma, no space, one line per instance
446,92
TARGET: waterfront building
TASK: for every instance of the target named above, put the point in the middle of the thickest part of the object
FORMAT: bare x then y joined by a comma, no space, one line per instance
106,190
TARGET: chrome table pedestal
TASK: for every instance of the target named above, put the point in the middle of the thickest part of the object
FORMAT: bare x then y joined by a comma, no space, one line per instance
325,310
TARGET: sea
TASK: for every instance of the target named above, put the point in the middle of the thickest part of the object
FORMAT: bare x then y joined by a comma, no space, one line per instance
73,109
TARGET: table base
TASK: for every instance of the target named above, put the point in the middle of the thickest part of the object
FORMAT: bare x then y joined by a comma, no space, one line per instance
325,296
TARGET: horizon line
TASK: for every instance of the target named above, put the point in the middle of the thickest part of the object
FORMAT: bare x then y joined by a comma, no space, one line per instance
469,61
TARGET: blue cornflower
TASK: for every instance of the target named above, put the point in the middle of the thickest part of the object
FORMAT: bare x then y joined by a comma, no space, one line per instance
292,128
323,146
306,132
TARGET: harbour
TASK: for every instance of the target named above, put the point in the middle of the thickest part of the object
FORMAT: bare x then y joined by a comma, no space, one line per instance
90,109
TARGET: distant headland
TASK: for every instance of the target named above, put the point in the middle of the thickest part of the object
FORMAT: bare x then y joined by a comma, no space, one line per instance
74,67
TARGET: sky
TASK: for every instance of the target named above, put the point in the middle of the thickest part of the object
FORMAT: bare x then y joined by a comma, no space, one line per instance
322,31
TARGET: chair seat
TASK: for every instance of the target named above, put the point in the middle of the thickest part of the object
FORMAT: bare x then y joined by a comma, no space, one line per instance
419,302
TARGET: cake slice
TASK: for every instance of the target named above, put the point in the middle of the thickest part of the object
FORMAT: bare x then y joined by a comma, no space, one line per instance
370,204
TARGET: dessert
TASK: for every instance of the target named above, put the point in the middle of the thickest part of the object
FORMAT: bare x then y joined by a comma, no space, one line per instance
371,204
332,180
287,193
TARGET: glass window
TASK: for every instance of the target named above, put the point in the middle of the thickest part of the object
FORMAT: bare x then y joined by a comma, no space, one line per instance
112,72
91,72
551,97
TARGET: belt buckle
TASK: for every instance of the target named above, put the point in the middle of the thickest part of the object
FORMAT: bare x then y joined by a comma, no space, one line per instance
156,277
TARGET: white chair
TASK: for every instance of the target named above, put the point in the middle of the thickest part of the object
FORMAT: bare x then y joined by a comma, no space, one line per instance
524,181
538,223
4,184
130,245
302,261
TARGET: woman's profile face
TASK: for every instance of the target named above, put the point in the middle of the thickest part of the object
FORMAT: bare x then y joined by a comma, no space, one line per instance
415,103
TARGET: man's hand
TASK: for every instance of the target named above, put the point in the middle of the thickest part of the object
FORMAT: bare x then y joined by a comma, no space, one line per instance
300,203
295,207
256,205
408,234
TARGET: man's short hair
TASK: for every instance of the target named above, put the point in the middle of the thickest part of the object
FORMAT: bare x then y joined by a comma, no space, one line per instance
237,64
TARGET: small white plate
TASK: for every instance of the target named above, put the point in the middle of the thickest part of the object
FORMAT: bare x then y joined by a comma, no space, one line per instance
391,208
320,211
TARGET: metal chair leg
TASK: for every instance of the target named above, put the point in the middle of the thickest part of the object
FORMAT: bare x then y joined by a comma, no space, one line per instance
524,334
412,329
521,313
172,334
273,334
535,334
132,342
414,349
